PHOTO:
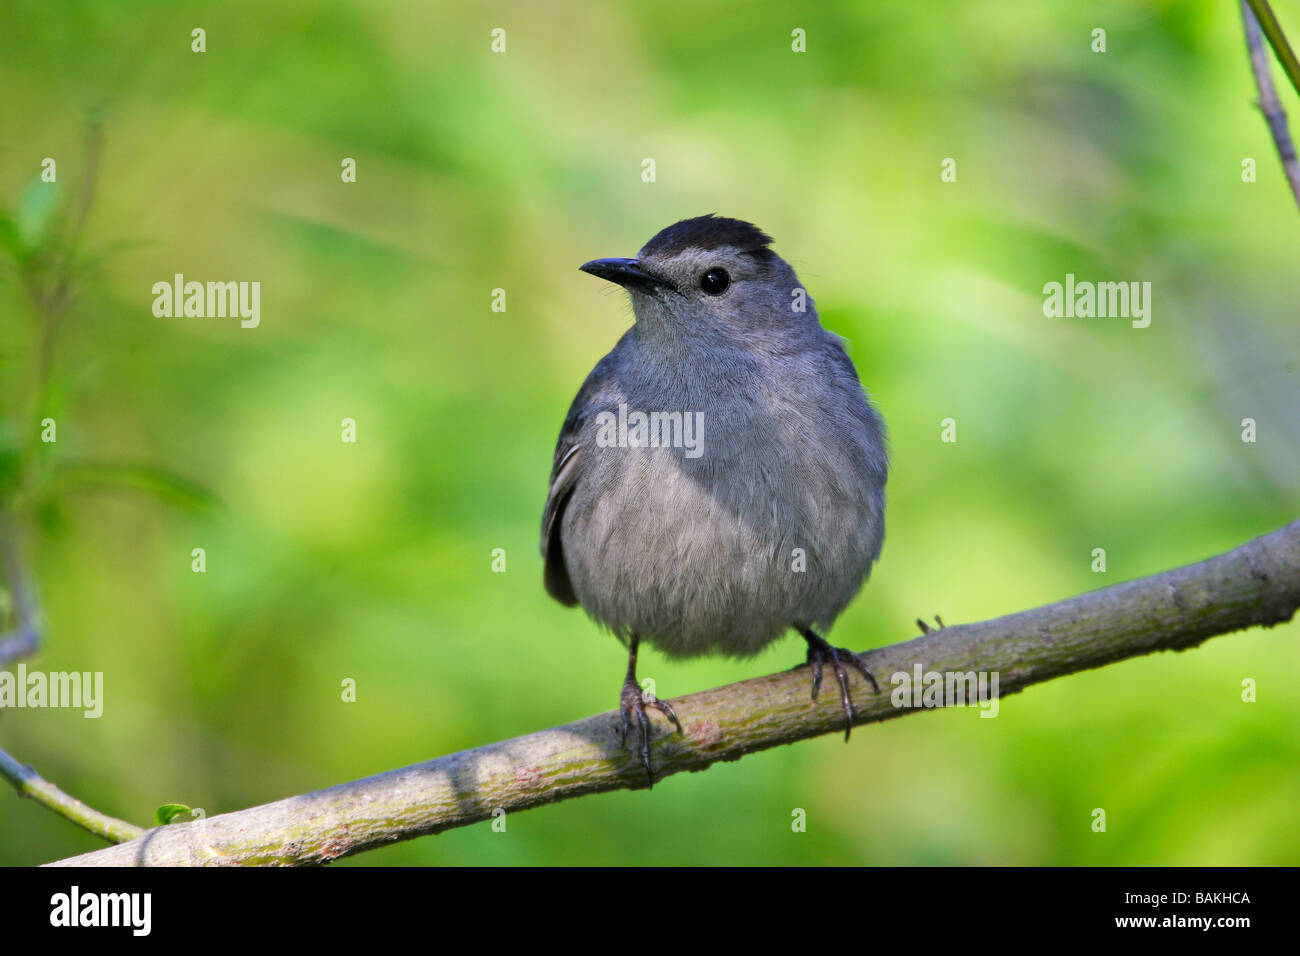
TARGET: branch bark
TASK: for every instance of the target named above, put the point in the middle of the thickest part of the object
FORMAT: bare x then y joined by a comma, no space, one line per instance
1277,40
1255,584
29,783
1269,104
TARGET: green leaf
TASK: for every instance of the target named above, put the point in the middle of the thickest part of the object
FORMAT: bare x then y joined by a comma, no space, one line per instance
108,251
35,211
9,460
10,240
168,812
165,485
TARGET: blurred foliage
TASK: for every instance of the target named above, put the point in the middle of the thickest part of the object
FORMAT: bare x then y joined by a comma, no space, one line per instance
477,171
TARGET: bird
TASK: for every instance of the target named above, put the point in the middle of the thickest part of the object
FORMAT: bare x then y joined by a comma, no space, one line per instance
719,479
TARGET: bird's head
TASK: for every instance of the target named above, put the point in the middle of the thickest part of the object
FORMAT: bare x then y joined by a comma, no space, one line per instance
710,274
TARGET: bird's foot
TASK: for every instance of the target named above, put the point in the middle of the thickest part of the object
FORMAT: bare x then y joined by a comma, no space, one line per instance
633,703
819,652
926,628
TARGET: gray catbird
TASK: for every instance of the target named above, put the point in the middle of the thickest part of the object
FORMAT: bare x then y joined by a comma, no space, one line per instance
720,476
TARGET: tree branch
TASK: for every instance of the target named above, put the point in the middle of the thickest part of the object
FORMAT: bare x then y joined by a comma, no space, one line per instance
1277,40
29,783
1255,584
1269,104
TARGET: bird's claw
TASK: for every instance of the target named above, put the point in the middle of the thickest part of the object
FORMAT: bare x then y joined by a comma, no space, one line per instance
632,703
819,652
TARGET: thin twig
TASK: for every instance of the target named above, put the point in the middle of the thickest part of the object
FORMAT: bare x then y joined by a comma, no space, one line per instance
29,783
53,303
25,640
1269,104
1277,40
71,245
1255,584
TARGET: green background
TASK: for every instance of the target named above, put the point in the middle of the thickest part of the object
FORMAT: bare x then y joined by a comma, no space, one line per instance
479,171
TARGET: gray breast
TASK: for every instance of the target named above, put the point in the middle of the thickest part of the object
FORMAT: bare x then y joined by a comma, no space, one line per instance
774,518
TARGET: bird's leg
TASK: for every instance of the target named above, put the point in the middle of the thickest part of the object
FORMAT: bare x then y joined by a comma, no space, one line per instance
633,702
819,652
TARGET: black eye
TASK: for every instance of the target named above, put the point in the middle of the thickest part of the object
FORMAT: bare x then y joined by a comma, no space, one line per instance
715,281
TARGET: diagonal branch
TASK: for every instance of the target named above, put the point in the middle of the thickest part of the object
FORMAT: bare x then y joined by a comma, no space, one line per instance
1263,13
1255,584
29,783
1269,104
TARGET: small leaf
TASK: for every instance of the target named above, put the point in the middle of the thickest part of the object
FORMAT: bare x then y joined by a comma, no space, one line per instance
9,460
89,263
36,210
172,488
169,812
10,241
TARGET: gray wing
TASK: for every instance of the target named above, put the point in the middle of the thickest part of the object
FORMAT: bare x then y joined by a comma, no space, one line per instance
566,472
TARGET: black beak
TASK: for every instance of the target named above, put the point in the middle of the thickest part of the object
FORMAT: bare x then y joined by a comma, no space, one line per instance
626,272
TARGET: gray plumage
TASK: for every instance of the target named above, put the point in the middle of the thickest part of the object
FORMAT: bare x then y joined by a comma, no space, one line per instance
698,555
